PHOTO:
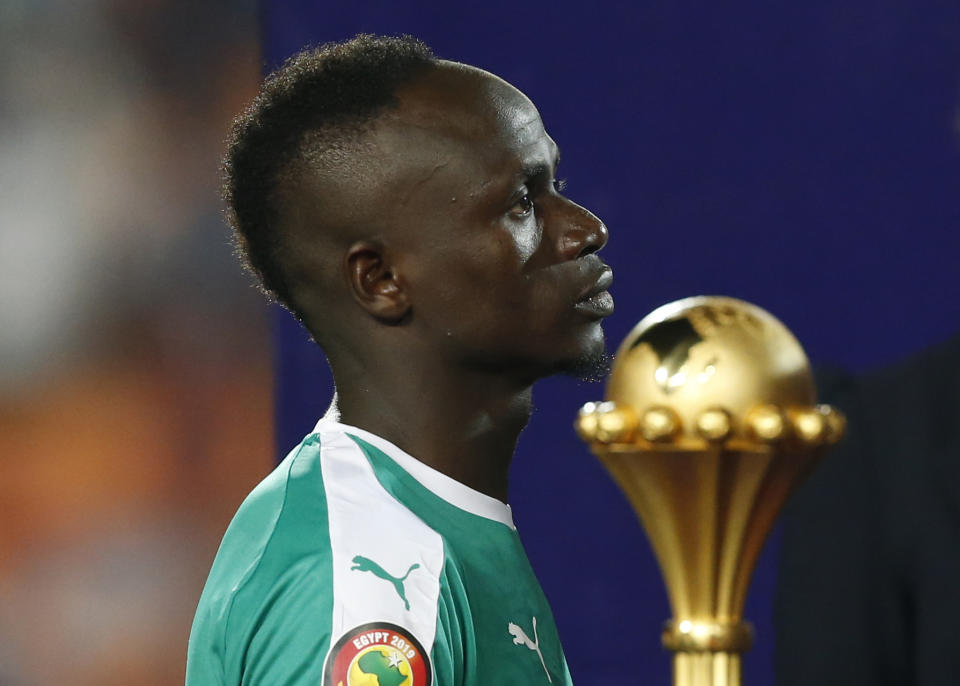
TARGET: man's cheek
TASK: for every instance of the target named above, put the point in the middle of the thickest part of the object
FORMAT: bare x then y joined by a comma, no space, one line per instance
519,244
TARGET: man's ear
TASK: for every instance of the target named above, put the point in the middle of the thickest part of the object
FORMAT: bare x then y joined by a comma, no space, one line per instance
376,286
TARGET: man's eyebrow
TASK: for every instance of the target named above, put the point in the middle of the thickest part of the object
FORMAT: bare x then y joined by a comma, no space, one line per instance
536,172
540,171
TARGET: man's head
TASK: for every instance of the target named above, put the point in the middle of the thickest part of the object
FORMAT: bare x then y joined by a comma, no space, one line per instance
408,205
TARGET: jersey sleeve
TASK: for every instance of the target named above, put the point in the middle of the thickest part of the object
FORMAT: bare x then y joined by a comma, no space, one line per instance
283,637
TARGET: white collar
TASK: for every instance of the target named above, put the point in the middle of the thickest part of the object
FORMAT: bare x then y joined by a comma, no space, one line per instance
449,489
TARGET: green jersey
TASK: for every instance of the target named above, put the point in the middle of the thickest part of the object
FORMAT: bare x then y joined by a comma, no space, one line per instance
354,564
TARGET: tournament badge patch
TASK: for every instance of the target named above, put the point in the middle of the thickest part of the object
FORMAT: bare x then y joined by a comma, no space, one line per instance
378,654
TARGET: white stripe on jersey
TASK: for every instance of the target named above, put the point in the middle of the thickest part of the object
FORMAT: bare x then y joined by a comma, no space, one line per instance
375,540
441,485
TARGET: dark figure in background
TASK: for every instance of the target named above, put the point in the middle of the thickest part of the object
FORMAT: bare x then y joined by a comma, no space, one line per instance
869,589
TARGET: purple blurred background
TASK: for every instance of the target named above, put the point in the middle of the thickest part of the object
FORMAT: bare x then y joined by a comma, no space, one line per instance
802,156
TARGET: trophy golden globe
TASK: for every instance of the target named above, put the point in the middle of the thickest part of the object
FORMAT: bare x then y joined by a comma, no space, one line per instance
709,423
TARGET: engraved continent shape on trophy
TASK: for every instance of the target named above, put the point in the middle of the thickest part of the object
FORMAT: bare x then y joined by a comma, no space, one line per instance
710,421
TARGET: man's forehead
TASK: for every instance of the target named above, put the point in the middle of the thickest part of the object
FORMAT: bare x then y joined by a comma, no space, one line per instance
459,100
456,130
466,117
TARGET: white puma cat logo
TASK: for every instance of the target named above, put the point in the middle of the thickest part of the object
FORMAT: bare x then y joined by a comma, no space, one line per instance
520,638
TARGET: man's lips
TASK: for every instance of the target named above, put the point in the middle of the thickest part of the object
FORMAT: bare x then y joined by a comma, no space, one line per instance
596,301
601,284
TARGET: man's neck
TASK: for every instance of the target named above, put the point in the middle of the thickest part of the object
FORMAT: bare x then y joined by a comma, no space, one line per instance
465,425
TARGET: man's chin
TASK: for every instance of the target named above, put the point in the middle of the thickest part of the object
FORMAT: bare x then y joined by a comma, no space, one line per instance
591,366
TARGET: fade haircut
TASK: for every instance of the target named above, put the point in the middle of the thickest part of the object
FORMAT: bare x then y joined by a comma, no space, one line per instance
318,100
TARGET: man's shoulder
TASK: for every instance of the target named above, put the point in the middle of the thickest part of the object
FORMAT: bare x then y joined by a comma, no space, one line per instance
322,509
287,502
266,533
275,543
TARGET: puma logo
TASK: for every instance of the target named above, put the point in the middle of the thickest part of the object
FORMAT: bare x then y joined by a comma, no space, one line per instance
520,638
365,564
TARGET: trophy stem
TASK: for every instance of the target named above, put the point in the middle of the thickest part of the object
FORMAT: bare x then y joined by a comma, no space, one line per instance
706,669
707,653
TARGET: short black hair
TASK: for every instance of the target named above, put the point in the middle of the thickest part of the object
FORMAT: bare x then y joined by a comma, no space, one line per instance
334,89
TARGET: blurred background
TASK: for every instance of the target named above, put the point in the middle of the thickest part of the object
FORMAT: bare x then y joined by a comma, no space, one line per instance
135,376
803,156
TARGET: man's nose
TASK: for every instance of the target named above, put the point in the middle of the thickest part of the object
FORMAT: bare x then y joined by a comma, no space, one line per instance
583,233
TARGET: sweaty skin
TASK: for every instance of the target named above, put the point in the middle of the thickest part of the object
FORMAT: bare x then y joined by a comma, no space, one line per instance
455,274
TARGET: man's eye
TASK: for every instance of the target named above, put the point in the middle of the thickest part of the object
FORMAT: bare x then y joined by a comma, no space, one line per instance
523,206
559,185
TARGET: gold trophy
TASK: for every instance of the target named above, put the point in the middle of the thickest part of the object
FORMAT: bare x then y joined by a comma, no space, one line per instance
710,422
